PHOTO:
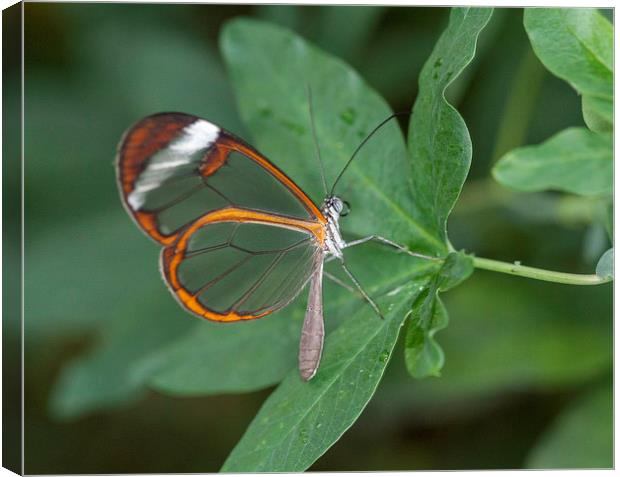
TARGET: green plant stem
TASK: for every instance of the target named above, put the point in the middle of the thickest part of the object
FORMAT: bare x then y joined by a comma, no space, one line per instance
538,273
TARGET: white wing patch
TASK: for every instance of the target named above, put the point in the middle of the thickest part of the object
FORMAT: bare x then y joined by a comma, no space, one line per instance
187,149
199,135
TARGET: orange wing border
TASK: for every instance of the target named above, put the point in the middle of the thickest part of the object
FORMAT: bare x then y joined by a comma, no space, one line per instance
154,133
136,146
172,256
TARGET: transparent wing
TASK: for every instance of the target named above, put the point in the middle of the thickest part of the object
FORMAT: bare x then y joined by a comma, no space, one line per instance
172,168
232,270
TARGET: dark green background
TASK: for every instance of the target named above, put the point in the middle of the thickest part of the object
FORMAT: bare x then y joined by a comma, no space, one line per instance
518,353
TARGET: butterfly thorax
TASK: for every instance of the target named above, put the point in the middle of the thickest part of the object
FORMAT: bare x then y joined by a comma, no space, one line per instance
332,209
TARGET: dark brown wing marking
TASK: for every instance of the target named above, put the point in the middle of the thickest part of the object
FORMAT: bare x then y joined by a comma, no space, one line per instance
167,167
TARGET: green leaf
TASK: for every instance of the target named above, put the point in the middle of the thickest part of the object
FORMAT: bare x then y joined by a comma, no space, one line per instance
346,109
172,369
423,354
301,420
575,44
456,268
439,142
382,202
575,160
581,437
268,358
239,358
441,152
605,265
598,114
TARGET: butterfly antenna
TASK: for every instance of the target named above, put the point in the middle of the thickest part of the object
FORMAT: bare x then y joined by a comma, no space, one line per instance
379,126
316,141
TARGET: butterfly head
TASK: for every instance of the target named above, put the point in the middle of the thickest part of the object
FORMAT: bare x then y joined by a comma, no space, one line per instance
335,207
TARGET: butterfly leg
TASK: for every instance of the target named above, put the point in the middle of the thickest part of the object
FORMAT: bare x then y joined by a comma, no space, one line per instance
362,291
337,281
389,243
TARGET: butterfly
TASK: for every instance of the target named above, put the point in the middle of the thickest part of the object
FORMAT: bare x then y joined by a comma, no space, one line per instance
240,239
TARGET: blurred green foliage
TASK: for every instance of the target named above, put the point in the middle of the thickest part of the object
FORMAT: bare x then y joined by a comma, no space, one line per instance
521,358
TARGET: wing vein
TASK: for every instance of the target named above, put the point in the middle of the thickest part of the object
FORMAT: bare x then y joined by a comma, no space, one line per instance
210,283
259,281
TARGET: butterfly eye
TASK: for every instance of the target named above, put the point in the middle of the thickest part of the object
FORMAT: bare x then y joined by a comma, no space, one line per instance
346,208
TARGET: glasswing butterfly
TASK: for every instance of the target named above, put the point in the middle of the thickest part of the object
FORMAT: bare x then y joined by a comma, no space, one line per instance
241,239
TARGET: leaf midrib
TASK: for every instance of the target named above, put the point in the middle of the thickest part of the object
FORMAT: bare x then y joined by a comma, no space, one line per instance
421,231
348,361
598,58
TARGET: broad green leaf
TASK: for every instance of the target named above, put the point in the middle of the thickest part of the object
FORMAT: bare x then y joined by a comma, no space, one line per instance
233,358
605,265
171,367
575,44
379,192
345,110
264,350
301,420
249,46
581,436
439,142
423,354
441,152
575,160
